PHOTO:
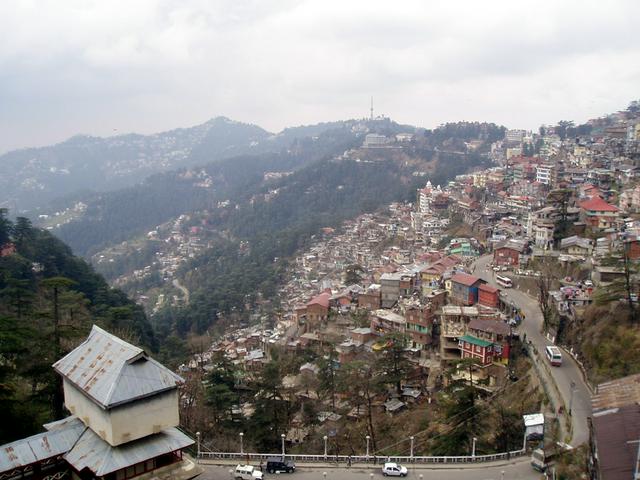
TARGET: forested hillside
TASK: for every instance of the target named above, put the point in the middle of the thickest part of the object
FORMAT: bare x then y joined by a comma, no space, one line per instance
256,211
249,265
116,216
48,301
31,178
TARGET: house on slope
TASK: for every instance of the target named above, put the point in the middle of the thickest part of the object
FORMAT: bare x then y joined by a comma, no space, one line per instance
123,425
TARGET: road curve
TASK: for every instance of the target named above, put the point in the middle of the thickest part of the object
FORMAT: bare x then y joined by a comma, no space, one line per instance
566,376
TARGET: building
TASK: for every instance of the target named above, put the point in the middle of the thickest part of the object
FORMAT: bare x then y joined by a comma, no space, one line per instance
494,331
488,296
453,321
419,325
510,252
545,174
373,140
576,245
315,312
599,214
472,347
393,286
614,429
385,321
124,409
464,288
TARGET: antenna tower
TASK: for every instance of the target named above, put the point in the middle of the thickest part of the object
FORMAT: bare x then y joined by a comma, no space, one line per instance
371,108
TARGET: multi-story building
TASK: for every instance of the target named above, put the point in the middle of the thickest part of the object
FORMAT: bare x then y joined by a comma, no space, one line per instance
419,325
599,214
545,174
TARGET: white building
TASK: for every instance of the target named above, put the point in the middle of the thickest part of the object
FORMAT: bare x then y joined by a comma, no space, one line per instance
373,140
544,174
124,409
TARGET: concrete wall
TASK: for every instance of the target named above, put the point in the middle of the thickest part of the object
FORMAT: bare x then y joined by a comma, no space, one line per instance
88,412
127,422
144,417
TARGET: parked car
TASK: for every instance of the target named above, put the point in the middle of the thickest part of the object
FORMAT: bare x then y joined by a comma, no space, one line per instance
247,472
277,465
394,470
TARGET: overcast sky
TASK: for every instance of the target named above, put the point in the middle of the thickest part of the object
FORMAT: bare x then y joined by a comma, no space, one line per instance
106,67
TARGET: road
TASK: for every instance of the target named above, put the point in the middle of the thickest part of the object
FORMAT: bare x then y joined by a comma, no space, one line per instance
183,289
518,470
564,376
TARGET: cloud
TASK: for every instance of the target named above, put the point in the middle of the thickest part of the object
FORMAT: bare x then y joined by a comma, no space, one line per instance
95,66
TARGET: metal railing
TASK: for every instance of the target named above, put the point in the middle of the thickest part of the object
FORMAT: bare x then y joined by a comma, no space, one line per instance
371,459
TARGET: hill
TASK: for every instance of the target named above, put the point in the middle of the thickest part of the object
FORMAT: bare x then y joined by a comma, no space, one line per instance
30,178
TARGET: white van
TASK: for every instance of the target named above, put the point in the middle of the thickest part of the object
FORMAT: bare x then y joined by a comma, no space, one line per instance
247,472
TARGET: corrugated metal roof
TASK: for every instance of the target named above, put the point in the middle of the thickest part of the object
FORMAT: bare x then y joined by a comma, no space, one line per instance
93,453
41,446
616,432
111,371
617,393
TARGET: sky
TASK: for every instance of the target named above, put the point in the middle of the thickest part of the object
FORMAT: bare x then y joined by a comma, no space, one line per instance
111,67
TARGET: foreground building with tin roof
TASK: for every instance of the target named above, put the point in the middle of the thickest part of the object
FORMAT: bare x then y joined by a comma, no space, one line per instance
125,414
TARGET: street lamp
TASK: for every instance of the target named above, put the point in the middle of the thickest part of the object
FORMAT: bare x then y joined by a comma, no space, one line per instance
325,446
473,447
572,386
241,443
411,454
282,437
198,437
368,437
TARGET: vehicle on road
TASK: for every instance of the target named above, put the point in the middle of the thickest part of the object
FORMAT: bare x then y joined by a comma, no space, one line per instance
277,465
504,282
554,355
247,472
543,457
394,470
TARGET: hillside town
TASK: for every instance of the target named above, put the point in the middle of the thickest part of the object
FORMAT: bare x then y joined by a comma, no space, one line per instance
555,201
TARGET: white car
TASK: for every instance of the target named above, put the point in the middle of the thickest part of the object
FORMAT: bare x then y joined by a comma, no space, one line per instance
394,470
247,472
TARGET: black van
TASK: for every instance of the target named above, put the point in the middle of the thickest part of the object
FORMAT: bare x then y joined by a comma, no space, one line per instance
276,464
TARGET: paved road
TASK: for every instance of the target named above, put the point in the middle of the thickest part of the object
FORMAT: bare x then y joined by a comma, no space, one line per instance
564,375
517,470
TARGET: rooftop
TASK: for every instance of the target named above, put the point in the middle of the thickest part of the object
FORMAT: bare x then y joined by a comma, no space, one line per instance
617,393
112,372
616,431
597,204
475,341
465,279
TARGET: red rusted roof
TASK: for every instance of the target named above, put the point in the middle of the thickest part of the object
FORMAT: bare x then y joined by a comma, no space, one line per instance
322,300
485,287
597,204
464,279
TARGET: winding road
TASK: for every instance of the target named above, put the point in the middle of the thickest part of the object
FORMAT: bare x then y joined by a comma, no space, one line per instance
567,377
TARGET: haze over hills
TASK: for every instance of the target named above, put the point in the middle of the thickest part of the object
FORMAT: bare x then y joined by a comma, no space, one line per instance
30,178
